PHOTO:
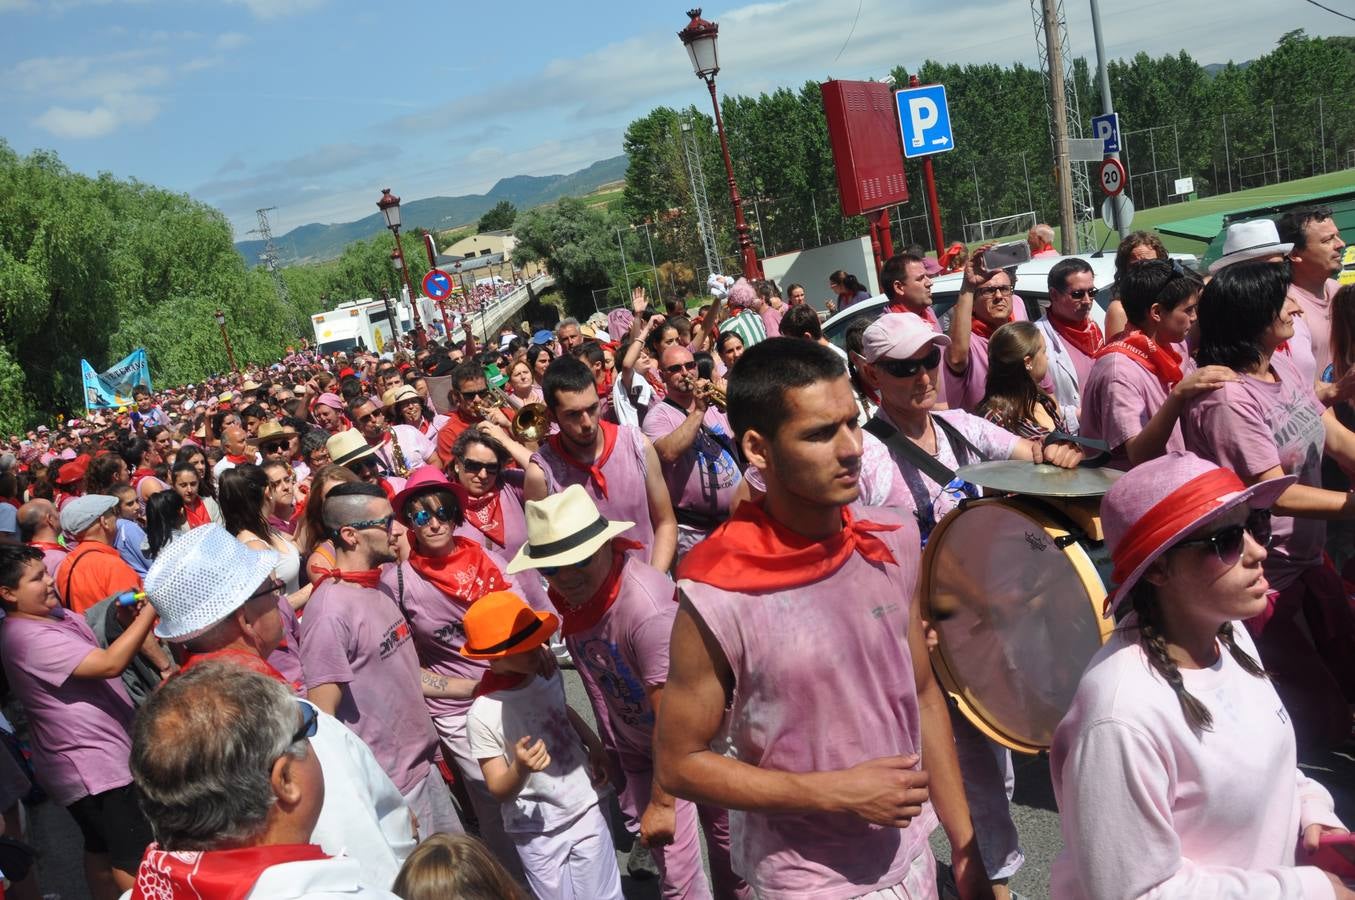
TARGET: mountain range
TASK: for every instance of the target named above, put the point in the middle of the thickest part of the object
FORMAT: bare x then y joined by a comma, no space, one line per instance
316,242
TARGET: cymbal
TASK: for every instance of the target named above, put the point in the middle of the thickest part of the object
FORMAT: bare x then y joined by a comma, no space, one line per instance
1041,480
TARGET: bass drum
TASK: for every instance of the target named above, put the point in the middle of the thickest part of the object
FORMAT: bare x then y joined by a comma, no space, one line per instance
1015,590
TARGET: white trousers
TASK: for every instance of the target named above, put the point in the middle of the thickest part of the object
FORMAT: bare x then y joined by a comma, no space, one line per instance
576,862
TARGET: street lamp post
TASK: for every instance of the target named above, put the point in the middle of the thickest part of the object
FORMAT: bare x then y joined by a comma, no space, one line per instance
699,37
391,317
226,338
389,204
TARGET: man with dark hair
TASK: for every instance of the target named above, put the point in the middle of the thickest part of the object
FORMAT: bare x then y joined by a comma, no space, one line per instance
470,391
1071,336
826,749
616,464
359,658
252,416
78,712
1141,383
1317,256
590,352
908,287
985,304
401,448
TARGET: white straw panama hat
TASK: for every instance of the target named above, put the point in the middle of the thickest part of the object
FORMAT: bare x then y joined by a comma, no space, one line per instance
202,577
348,446
563,529
1249,240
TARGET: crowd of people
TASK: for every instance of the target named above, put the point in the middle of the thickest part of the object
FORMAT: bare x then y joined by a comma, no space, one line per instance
300,632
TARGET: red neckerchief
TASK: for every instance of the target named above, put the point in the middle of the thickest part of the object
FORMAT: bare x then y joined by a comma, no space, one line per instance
1160,359
424,425
197,514
212,874
1086,337
240,460
368,578
390,491
465,574
609,433
656,384
581,618
251,661
486,514
984,330
46,545
605,388
493,681
140,475
754,553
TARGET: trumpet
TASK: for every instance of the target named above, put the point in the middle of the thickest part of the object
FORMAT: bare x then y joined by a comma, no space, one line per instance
530,424
713,395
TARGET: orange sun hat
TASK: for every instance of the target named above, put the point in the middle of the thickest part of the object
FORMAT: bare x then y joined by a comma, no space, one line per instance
502,624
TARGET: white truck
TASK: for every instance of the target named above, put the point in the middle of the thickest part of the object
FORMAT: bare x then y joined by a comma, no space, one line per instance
366,323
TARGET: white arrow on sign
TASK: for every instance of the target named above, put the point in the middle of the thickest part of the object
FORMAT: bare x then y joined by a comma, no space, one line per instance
941,141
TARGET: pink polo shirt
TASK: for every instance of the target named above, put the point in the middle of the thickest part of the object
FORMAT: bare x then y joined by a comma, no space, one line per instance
824,680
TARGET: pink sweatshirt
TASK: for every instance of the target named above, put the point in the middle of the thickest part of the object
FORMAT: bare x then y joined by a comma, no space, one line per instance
1148,809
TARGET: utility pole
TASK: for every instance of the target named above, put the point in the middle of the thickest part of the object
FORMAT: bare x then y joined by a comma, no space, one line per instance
1063,168
1107,107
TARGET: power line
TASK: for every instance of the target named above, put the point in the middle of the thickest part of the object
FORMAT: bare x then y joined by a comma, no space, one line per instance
851,32
1334,12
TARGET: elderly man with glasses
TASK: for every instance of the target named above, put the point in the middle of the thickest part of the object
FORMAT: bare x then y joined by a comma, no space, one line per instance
359,656
227,769
218,602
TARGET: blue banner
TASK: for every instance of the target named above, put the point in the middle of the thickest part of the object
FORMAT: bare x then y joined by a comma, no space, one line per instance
113,388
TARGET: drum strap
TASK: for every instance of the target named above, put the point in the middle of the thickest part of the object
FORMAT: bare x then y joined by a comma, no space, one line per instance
923,461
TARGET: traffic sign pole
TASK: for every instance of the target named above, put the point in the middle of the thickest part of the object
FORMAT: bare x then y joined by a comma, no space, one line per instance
1107,107
929,181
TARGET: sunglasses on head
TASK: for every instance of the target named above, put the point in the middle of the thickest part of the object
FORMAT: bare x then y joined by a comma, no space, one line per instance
474,467
907,368
422,517
1227,542
310,722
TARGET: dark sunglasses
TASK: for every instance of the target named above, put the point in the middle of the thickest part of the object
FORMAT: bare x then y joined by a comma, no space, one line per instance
360,465
384,523
422,517
1082,293
310,722
273,586
907,368
475,467
266,449
1227,542
548,571
471,395
688,366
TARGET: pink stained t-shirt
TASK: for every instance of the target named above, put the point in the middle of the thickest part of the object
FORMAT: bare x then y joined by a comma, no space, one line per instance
625,471
51,559
625,653
1148,808
823,681
1299,350
286,658
965,391
703,480
436,622
514,519
771,320
1251,426
355,637
1317,319
80,726
1119,398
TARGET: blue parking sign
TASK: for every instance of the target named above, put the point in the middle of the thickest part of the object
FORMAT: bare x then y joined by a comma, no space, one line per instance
924,120
1106,129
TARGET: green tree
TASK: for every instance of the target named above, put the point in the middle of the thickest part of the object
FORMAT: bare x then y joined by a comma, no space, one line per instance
499,218
576,243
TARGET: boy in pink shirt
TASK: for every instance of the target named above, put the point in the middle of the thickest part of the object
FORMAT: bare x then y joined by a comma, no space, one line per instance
822,777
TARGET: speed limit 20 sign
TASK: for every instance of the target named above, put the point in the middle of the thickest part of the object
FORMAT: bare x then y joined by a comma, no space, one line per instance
1112,176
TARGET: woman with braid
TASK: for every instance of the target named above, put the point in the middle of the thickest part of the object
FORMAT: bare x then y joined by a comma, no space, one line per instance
1175,768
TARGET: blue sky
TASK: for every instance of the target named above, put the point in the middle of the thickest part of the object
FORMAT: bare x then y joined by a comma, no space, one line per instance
313,106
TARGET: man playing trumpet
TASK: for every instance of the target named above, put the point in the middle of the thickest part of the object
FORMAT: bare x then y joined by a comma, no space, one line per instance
695,445
475,409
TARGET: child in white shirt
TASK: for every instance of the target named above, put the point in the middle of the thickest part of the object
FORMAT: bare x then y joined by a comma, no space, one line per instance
539,758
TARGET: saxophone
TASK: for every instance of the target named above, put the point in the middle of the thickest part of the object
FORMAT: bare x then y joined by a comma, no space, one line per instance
398,467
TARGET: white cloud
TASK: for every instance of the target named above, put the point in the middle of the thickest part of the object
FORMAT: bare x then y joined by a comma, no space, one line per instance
231,40
277,9
115,112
